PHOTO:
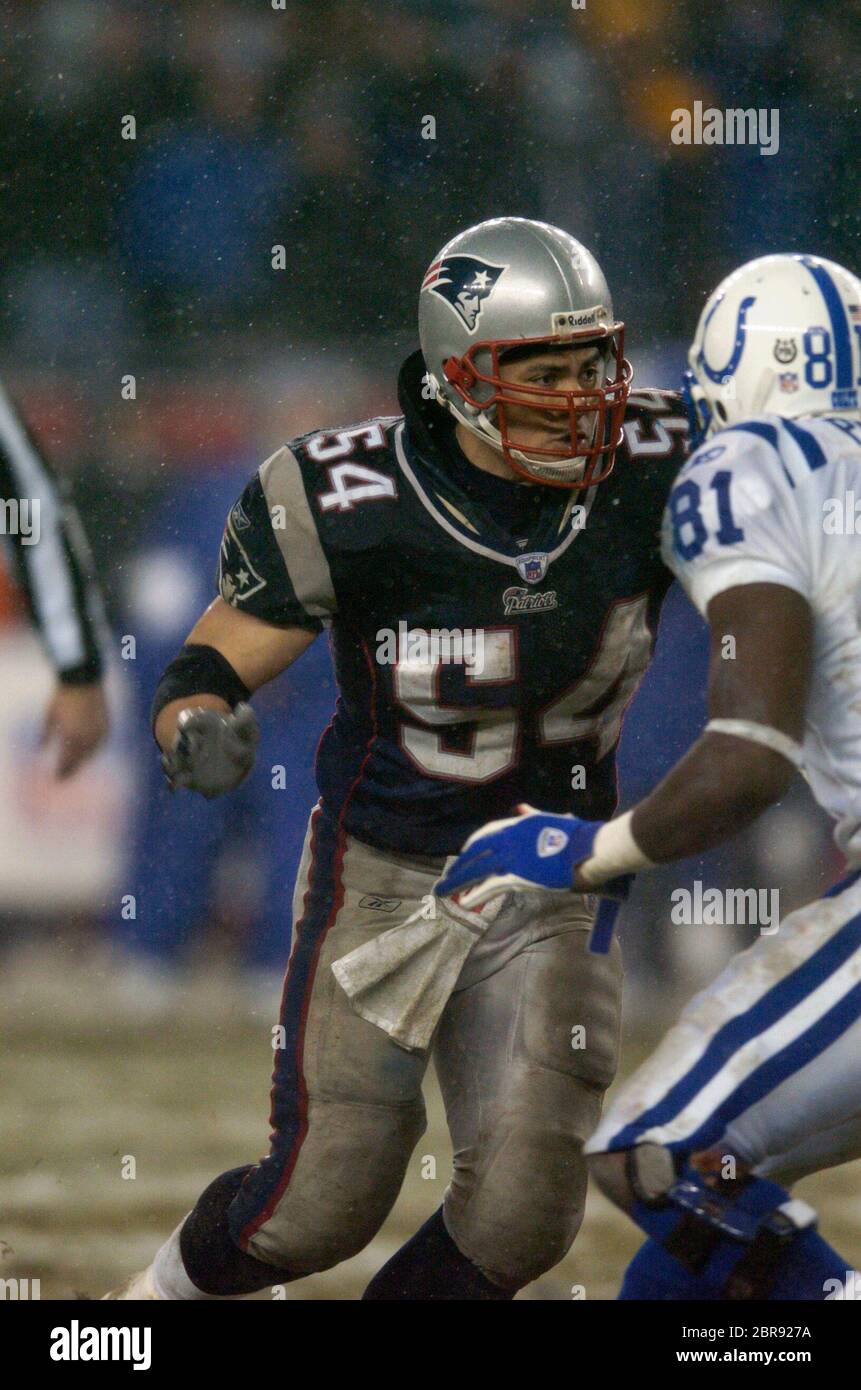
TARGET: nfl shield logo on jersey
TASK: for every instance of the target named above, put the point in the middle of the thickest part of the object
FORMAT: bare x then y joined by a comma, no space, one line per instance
464,282
532,568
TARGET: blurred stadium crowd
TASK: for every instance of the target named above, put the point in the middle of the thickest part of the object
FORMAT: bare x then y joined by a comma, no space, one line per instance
301,126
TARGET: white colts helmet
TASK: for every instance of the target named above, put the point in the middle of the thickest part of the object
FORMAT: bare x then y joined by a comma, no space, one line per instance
780,336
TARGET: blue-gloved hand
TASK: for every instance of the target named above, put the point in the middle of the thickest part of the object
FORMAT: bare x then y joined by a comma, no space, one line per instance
533,850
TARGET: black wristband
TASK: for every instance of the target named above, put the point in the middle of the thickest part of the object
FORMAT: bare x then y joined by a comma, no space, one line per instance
88,673
198,670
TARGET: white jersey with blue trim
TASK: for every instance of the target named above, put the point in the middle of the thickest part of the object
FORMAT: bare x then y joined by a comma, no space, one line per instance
773,501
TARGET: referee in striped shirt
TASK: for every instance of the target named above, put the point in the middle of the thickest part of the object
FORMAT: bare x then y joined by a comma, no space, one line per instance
53,564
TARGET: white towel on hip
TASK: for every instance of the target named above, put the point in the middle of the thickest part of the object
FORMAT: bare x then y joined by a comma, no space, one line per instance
402,980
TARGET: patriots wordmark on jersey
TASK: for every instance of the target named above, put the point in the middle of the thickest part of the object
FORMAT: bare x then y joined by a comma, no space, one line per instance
383,527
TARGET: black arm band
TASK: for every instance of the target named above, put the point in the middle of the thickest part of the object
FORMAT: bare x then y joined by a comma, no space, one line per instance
88,673
198,670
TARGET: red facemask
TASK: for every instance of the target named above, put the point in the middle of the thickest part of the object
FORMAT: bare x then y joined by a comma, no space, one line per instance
605,402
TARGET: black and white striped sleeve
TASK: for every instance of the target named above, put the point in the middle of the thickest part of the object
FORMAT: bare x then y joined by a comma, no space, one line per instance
50,553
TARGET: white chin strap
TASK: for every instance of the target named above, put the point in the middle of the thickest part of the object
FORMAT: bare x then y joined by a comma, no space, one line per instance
558,470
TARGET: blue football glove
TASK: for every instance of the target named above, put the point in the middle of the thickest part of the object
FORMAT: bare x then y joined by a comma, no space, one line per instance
533,850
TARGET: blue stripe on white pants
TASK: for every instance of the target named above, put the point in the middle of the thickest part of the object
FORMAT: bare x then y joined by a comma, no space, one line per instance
773,1011
811,1122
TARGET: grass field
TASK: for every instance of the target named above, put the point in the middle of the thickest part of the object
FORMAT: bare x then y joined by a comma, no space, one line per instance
86,1098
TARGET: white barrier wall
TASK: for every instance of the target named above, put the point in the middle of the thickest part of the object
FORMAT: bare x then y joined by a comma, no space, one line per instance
61,843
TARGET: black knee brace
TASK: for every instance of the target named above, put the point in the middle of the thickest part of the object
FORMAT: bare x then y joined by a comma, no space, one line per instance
213,1262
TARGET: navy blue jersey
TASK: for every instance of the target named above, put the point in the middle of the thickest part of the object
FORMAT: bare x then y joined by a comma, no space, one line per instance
482,660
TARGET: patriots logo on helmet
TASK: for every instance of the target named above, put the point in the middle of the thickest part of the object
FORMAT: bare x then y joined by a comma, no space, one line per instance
464,282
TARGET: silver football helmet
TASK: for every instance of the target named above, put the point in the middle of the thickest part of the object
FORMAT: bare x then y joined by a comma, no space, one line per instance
509,283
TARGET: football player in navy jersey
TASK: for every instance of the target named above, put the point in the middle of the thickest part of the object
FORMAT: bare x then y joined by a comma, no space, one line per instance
512,510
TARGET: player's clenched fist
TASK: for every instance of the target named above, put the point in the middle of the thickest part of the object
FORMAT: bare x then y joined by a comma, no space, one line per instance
212,752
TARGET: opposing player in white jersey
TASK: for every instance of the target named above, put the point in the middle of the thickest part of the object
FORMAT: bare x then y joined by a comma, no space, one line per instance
764,1066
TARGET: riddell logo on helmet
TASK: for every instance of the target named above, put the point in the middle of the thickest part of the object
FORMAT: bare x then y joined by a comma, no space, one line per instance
569,322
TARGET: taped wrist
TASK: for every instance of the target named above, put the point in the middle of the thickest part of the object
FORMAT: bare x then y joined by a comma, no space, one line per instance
614,852
198,670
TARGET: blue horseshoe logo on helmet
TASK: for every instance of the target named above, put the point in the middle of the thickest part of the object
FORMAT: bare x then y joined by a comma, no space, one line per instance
738,346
